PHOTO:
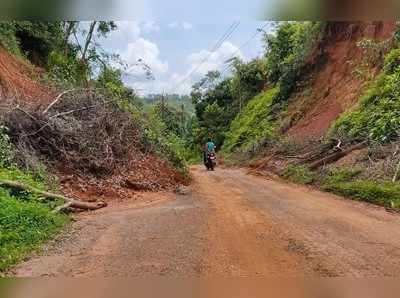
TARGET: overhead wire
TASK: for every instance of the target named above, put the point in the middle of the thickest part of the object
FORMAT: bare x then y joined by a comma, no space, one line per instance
228,33
258,31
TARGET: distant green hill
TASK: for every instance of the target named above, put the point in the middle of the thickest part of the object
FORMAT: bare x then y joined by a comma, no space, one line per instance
173,100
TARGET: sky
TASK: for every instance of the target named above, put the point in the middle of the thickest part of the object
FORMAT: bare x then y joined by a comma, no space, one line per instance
174,38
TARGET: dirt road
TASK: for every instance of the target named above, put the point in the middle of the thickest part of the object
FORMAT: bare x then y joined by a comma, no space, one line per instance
230,224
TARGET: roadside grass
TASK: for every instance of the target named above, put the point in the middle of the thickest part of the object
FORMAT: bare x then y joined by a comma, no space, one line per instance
298,174
25,223
344,182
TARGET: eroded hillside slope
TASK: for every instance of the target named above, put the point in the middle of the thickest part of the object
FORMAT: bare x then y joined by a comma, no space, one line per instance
16,79
331,85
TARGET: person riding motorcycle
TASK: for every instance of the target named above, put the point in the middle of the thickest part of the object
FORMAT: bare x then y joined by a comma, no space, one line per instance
209,150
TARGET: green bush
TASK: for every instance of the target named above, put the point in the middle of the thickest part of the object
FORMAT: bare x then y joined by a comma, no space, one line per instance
64,71
24,225
252,128
8,38
298,174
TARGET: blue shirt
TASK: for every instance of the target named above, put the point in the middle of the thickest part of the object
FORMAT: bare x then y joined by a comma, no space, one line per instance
210,147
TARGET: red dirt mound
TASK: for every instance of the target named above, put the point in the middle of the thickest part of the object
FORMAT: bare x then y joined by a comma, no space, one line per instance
17,80
333,87
152,173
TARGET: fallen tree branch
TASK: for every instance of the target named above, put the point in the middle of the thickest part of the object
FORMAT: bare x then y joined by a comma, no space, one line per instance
62,94
18,108
336,156
57,100
70,202
79,110
61,208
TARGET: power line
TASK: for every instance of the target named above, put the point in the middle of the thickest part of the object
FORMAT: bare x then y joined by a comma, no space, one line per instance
258,31
218,44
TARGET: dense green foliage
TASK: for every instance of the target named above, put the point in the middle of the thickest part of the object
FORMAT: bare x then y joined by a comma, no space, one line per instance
377,116
213,101
165,135
8,38
176,101
287,51
252,129
48,44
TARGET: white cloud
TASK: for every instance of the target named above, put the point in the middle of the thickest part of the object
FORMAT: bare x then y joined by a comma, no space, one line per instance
150,26
196,64
142,49
127,30
181,25
214,60
197,67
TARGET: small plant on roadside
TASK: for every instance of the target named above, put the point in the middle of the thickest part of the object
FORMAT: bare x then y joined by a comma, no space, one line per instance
6,154
381,193
348,182
298,174
338,175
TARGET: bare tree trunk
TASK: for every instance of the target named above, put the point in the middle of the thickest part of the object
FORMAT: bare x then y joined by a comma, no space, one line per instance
85,50
88,40
70,28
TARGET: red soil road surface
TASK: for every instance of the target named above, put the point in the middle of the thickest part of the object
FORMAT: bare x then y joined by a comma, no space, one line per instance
230,224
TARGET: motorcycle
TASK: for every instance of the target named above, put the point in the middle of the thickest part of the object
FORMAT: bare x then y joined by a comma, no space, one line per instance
210,161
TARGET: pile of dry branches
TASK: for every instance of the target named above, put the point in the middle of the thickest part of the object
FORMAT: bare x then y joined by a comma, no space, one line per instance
81,129
382,162
313,154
